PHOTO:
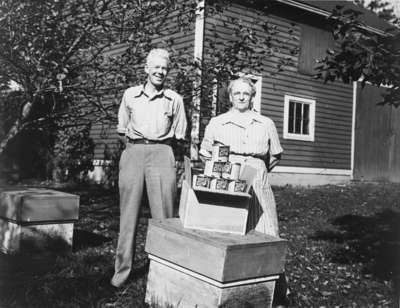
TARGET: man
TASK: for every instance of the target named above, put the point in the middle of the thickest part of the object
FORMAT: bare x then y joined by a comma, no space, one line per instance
149,117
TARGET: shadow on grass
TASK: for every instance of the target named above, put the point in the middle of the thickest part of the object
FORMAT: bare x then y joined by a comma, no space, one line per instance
373,241
84,239
59,292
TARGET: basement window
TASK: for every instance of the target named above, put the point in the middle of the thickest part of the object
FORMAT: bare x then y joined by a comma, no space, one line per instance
299,118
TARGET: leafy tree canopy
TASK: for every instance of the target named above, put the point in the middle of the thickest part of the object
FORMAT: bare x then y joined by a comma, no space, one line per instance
362,55
57,52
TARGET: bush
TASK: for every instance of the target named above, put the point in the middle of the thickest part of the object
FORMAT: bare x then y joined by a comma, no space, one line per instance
111,169
73,155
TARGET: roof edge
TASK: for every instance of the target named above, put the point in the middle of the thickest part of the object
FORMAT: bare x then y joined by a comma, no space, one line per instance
324,13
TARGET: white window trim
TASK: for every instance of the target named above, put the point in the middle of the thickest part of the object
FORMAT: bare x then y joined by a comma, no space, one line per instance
286,134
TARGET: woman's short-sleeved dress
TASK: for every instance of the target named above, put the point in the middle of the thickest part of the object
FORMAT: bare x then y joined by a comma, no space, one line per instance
252,135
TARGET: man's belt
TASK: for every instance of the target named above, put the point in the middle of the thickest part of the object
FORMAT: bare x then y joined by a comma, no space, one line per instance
262,157
149,141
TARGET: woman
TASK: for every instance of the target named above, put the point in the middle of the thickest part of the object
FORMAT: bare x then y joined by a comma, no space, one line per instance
253,141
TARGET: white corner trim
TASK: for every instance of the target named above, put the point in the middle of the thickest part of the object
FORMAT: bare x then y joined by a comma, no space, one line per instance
258,96
199,32
198,57
304,170
214,100
353,127
311,124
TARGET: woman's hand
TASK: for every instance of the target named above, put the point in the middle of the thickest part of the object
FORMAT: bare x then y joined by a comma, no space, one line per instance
204,155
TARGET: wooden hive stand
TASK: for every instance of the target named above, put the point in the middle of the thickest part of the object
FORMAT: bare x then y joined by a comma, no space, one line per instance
35,219
196,268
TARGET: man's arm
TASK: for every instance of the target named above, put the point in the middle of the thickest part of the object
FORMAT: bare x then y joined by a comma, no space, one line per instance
122,137
179,123
123,119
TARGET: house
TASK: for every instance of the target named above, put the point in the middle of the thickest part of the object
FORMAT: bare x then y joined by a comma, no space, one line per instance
315,121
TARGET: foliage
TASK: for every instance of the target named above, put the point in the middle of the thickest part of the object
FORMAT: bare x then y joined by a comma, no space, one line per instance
45,151
59,49
27,155
380,7
58,54
363,56
342,252
72,155
111,168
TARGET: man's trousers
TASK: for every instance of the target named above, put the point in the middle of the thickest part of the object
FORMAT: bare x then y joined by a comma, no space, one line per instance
155,164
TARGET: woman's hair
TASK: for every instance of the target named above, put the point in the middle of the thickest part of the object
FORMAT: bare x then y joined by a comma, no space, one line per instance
244,80
157,53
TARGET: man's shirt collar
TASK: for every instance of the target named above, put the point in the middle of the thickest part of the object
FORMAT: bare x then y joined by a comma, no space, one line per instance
141,91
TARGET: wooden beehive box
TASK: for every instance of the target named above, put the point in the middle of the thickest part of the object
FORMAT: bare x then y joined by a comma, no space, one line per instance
223,257
34,219
206,209
170,285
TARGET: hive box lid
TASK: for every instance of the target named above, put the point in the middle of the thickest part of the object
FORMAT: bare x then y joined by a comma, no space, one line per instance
220,256
30,205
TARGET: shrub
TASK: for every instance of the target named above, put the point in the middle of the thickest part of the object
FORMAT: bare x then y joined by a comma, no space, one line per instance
73,155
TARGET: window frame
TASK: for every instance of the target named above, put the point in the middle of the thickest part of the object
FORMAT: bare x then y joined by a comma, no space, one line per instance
311,124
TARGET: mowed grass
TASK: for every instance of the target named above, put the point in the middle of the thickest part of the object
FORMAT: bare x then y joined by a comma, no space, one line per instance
344,244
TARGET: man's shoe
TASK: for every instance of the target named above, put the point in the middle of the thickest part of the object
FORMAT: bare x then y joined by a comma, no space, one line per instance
117,286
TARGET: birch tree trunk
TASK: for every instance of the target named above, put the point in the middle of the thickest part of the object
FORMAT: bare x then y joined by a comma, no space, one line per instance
16,127
13,131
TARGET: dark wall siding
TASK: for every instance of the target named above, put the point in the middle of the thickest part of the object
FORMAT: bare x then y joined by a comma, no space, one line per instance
377,131
105,137
332,145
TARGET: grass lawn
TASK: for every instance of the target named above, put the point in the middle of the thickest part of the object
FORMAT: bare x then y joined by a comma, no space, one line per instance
344,244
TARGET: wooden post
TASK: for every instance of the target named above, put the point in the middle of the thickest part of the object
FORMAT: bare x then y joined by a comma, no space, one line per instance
198,57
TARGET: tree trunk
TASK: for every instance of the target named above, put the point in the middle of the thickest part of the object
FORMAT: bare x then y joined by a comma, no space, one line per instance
17,126
14,130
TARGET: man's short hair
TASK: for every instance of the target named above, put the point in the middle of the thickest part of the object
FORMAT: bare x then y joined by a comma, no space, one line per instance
157,53
244,80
